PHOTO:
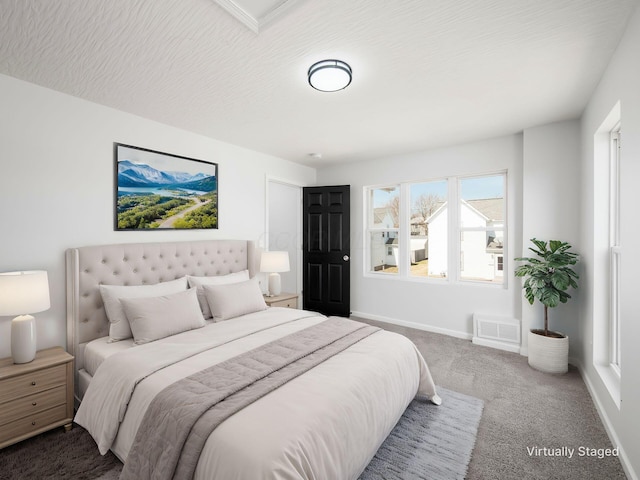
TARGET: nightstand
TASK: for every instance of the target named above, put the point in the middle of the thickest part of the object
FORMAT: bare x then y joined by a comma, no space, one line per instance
288,300
35,396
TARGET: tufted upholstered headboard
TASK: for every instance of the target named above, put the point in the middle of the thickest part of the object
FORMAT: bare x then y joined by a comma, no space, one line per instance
138,264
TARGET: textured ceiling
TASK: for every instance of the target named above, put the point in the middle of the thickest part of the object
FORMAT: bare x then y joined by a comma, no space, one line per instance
427,73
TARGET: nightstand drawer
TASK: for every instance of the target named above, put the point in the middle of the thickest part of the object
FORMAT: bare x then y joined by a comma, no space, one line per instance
32,423
290,303
284,300
32,404
33,382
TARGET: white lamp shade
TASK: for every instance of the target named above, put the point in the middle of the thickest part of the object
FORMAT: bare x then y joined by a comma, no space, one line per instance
24,292
272,262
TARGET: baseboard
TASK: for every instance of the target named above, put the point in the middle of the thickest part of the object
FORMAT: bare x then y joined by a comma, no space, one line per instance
624,458
417,326
485,342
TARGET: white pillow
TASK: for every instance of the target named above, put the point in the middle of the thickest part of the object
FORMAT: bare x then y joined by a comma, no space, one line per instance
199,282
233,300
152,318
111,294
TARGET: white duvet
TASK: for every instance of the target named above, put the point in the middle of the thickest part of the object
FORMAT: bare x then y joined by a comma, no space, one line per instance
325,424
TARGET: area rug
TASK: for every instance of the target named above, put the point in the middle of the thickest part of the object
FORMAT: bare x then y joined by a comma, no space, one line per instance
429,442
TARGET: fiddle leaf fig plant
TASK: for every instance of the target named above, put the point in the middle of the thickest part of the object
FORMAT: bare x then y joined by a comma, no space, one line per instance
548,275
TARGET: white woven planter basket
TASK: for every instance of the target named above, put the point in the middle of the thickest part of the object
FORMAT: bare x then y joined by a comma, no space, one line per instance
548,354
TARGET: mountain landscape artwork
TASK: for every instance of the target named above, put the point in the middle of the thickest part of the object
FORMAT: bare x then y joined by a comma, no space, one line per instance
156,190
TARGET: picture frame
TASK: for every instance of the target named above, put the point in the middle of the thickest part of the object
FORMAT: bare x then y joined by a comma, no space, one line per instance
163,191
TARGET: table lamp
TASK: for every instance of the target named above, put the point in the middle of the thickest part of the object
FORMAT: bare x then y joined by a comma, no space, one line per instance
23,293
274,263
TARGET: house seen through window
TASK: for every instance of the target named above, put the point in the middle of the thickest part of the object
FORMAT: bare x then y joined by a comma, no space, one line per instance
384,225
482,220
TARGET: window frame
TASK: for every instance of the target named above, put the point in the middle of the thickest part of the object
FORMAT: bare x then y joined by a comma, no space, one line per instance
615,250
454,232
606,326
370,229
485,229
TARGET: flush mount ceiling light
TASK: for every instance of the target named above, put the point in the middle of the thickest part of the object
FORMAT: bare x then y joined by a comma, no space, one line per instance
329,75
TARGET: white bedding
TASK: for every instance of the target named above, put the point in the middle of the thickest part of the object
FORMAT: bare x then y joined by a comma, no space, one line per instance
96,351
325,424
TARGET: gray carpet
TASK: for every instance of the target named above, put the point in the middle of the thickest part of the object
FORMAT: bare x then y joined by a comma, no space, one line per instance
429,442
523,408
56,455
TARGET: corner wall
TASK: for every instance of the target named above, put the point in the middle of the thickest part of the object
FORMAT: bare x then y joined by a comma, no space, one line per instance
619,83
550,206
57,186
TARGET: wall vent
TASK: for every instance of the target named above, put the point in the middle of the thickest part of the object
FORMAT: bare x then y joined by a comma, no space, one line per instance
497,332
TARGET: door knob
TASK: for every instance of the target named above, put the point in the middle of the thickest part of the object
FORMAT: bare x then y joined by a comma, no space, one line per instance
345,258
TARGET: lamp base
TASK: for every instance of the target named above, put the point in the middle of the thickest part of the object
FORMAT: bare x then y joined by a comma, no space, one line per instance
23,339
275,285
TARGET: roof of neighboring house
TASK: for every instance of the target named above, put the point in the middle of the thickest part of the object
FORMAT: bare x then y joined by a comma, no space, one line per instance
491,208
380,213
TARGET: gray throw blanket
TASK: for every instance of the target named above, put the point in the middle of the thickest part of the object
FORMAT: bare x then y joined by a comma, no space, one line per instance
179,420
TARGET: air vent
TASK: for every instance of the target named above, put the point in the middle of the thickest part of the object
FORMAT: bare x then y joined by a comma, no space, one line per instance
497,332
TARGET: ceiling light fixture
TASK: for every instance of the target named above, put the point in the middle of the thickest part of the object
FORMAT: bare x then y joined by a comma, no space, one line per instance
329,75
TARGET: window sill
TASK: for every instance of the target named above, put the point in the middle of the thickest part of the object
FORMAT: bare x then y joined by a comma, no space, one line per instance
434,280
611,381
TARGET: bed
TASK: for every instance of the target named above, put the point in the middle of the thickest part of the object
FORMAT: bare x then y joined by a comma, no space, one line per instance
326,421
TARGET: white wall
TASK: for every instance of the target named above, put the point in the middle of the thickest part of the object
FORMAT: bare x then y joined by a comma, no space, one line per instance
434,306
57,181
550,206
620,83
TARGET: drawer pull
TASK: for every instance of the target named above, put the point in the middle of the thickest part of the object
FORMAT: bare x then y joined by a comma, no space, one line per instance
33,383
34,403
33,423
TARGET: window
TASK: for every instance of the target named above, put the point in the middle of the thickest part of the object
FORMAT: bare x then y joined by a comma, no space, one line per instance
383,227
428,245
614,249
426,238
481,211
606,278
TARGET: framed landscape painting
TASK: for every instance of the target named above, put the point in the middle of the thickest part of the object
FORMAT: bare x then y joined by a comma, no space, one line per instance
159,191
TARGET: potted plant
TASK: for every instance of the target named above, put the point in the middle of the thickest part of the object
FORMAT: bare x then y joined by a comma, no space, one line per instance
548,276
